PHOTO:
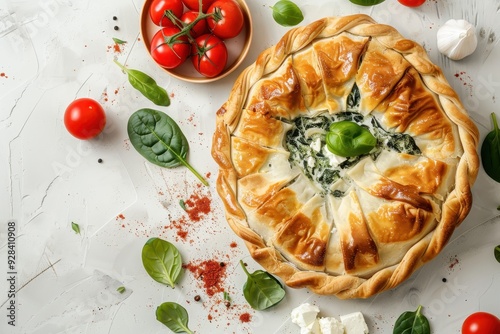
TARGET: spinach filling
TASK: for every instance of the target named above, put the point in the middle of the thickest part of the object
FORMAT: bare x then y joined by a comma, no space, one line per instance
303,138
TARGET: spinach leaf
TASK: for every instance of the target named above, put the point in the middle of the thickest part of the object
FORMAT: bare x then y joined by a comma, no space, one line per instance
262,290
119,41
162,261
348,139
367,2
75,227
497,253
412,323
174,316
159,139
146,85
287,13
490,151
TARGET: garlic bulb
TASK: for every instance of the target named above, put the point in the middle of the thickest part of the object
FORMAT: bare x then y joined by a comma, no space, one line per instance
457,39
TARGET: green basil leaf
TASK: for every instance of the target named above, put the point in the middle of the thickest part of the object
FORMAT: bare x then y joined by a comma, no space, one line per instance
348,139
490,151
146,85
159,139
75,227
412,323
287,13
121,289
174,316
366,2
262,290
497,253
162,261
119,41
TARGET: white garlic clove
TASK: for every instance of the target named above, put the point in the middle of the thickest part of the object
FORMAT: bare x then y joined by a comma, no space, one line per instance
457,39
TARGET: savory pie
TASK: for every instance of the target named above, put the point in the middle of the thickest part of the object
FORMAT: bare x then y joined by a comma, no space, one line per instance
348,226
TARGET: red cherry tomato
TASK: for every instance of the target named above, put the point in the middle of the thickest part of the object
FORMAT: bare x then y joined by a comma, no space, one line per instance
412,3
169,53
158,8
481,323
194,5
199,28
227,20
84,118
209,55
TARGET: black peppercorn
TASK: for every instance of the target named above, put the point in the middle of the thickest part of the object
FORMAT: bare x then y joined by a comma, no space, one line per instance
115,18
116,28
99,160
197,298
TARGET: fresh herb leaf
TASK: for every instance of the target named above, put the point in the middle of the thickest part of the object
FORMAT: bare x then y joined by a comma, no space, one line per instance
262,290
490,151
159,139
412,323
287,13
121,289
366,2
182,204
174,316
146,85
119,41
227,297
348,139
497,253
162,261
75,227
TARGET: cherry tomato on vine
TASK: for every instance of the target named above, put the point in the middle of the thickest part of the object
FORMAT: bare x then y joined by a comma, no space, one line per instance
209,55
412,3
194,5
84,118
481,323
199,28
167,51
158,8
227,20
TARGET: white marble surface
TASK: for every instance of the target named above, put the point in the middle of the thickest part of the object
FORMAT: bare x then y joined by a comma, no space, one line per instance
52,51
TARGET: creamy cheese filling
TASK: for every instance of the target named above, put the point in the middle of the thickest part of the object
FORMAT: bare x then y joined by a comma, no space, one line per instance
306,142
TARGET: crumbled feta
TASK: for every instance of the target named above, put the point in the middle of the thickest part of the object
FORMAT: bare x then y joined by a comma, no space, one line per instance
330,326
311,162
354,323
335,160
304,315
316,144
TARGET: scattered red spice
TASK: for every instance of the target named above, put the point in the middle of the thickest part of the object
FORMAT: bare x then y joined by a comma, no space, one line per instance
209,317
120,216
180,225
197,205
3,75
117,48
454,262
233,244
211,273
245,317
208,175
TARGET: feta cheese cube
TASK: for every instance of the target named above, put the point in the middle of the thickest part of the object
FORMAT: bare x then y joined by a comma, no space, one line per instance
312,328
330,325
304,315
354,323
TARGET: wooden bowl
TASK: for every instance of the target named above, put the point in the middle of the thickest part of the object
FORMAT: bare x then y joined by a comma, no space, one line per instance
237,47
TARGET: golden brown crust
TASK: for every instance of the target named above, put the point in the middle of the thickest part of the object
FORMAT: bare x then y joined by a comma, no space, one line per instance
432,209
